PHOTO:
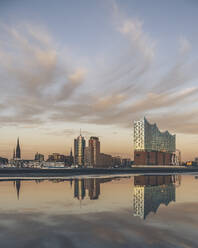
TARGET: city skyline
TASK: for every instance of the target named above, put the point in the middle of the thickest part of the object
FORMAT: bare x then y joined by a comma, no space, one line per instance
98,66
146,138
16,152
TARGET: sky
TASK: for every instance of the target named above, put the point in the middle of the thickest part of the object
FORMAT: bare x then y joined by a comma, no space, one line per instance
97,65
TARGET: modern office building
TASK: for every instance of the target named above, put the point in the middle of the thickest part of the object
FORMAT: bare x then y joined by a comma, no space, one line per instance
79,150
152,147
94,148
92,153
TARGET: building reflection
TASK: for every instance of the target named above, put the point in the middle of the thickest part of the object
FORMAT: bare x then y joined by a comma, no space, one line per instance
152,191
93,187
149,192
82,187
17,185
79,189
88,187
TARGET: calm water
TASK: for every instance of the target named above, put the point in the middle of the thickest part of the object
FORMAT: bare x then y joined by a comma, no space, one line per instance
139,211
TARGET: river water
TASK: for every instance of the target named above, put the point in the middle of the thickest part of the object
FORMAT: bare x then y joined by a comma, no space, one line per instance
97,212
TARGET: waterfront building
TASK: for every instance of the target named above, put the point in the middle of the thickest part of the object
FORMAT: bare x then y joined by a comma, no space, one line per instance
56,157
116,161
94,150
79,150
60,158
105,160
39,157
88,157
151,146
3,161
68,160
126,162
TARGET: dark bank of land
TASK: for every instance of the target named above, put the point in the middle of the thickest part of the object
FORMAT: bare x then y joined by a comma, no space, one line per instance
34,172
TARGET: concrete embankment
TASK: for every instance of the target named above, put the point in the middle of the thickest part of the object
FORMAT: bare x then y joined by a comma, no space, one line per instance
33,172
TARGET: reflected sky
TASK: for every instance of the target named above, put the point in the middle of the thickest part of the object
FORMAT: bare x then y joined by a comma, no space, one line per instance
139,211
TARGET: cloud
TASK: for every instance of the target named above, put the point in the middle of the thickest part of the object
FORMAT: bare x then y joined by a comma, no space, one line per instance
44,85
37,80
133,29
185,45
69,133
74,81
179,75
178,122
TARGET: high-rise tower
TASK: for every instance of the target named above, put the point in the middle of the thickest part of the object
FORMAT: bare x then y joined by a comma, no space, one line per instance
79,150
18,150
94,145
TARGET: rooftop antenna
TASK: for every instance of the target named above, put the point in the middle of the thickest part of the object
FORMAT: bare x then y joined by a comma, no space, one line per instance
80,131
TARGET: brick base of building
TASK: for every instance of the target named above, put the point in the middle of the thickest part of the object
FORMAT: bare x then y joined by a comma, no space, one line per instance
152,158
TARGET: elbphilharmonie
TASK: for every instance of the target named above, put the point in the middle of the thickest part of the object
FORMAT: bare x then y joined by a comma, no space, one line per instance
151,146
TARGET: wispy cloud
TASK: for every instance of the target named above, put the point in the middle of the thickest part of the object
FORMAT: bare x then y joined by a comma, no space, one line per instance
70,132
40,85
36,78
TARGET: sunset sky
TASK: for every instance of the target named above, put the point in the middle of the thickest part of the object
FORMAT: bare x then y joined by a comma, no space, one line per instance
97,65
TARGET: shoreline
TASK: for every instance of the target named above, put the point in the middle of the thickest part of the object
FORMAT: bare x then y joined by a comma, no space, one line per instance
63,172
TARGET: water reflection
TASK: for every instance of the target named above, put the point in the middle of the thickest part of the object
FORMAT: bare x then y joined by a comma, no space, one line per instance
149,192
82,187
152,191
90,185
17,185
82,212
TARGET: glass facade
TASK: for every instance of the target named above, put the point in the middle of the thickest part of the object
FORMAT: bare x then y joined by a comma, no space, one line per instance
94,145
79,150
147,137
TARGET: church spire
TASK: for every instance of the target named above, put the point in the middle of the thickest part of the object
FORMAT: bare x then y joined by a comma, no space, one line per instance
18,150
